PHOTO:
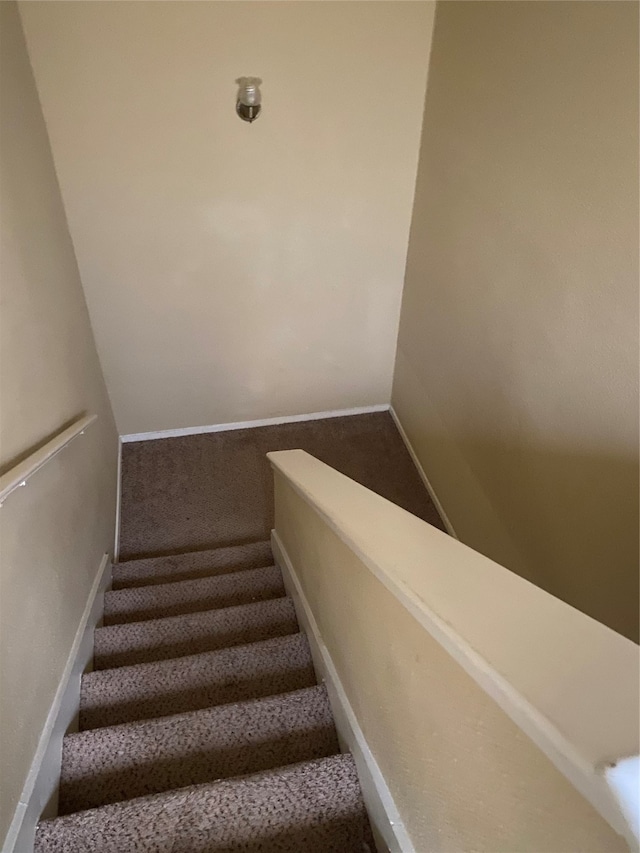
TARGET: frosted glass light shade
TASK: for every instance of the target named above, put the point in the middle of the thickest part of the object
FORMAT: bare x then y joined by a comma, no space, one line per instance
249,94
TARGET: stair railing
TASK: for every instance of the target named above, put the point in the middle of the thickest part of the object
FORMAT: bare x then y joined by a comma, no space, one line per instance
19,474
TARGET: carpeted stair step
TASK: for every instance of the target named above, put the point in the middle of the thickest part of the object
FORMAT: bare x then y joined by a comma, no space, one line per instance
170,599
191,565
315,807
190,633
236,674
132,760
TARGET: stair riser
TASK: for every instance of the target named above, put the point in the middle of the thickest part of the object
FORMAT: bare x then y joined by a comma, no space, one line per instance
127,761
153,602
278,665
195,645
344,835
164,772
193,565
180,608
205,696
186,575
315,808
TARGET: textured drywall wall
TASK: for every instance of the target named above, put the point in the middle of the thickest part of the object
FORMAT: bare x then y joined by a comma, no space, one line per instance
55,530
462,774
236,271
517,370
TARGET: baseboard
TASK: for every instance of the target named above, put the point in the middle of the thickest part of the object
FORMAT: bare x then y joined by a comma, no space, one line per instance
443,515
286,419
40,793
389,831
116,535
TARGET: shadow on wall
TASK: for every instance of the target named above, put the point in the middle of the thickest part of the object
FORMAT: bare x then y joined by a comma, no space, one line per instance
572,519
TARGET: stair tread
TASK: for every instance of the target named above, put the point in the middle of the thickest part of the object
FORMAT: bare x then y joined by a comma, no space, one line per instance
135,759
238,673
314,806
153,570
191,633
136,604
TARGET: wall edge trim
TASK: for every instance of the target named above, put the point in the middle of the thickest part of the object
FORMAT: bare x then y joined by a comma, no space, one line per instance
41,785
116,532
260,422
423,476
388,828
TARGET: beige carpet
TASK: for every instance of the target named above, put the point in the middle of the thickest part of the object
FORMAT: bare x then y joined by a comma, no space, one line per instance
202,728
208,491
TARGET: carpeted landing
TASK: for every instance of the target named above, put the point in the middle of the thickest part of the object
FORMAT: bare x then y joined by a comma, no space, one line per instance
202,727
204,491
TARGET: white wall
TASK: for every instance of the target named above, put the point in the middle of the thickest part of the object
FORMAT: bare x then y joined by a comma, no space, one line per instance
517,370
55,531
234,271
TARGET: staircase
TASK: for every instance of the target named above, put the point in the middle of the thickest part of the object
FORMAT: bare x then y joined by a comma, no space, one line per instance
202,727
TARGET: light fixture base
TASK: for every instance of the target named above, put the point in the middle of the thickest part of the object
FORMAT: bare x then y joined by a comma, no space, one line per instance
247,113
